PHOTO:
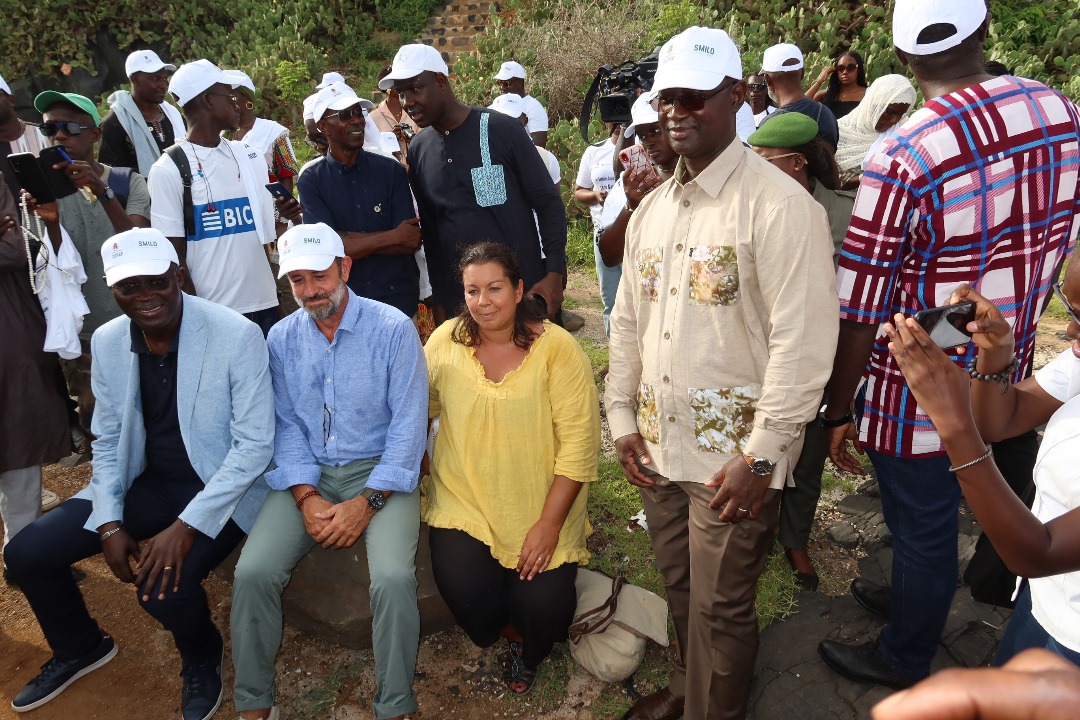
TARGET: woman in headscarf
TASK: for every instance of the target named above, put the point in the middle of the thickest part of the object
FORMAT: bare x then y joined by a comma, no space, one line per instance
886,104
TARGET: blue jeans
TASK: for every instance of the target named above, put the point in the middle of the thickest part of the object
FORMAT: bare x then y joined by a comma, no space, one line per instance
1025,632
609,278
920,499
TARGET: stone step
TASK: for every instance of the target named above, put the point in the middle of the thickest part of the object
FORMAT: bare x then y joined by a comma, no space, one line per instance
470,7
454,30
437,21
458,42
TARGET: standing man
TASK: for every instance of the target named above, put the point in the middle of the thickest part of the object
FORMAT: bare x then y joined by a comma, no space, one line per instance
477,177
140,124
350,389
184,431
16,136
979,187
721,341
595,177
220,224
511,79
783,69
366,199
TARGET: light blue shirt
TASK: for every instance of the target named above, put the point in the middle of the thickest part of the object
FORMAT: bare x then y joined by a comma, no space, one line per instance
364,395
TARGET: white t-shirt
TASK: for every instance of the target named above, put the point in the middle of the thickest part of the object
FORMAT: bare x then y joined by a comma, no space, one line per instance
551,163
537,114
613,205
760,117
1055,600
226,258
595,173
744,122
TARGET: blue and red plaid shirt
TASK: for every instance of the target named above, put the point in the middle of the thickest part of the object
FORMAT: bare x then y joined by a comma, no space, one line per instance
980,186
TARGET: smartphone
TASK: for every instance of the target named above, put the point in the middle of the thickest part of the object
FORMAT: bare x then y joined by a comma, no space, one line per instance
31,177
947,325
636,159
278,190
58,179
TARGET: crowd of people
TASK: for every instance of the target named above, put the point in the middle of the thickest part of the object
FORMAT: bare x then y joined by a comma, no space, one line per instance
333,353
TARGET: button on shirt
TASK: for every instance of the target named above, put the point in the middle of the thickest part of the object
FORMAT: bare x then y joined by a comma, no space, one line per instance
364,395
370,196
725,324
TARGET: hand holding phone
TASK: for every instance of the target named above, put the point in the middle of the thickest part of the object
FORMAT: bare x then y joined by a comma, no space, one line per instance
636,160
947,325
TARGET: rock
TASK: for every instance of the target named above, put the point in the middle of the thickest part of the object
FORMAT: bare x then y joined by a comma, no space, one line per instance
859,505
843,533
870,488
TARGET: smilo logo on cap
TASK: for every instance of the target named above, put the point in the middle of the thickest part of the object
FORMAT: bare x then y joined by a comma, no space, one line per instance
698,58
308,247
137,252
508,104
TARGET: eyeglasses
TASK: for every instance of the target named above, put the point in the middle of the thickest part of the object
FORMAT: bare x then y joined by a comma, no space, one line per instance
130,288
847,67
754,87
70,128
1059,291
778,157
645,134
357,111
231,96
690,101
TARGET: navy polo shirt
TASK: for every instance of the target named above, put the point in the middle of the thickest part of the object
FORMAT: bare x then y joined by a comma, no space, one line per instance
370,196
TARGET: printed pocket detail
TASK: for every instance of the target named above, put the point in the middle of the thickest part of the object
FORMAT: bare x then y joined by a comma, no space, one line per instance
650,264
723,417
648,417
714,275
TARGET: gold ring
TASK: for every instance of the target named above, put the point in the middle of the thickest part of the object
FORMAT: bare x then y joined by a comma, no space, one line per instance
168,567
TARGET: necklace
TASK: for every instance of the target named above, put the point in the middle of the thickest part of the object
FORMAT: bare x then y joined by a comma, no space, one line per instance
211,205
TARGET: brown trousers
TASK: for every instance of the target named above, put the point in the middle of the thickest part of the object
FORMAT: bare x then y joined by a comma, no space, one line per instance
710,572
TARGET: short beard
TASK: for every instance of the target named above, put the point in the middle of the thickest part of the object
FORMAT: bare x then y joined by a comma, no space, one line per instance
772,96
336,298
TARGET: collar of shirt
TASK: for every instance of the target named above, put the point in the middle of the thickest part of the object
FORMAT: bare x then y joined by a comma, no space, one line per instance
341,168
138,340
712,179
349,319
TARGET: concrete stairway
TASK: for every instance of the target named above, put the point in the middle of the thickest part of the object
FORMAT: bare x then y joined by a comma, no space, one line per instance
454,27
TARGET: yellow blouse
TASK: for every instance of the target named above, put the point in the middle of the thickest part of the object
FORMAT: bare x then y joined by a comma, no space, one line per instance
500,445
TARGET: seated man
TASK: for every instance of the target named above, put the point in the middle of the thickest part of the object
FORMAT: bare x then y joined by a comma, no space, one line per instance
177,461
351,392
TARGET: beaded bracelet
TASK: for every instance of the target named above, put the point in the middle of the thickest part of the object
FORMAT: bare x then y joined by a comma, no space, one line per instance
1001,377
305,496
989,453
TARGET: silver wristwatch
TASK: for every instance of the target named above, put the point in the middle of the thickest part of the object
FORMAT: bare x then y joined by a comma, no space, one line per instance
759,466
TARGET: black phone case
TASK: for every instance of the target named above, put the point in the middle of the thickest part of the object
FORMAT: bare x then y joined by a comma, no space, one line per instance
37,177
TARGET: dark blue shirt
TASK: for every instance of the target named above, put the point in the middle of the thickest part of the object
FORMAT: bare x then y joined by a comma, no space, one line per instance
823,116
371,196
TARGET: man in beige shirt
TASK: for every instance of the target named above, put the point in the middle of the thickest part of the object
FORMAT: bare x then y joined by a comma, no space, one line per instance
722,338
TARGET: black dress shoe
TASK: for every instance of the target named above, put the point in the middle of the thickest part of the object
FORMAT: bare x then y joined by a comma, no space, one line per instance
661,705
806,581
862,663
875,599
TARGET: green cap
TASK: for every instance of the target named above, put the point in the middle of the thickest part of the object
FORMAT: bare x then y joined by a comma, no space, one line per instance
784,130
49,98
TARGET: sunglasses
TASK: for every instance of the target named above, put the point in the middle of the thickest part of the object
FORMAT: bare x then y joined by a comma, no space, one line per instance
130,288
848,67
690,101
231,96
1060,293
357,111
70,128
754,87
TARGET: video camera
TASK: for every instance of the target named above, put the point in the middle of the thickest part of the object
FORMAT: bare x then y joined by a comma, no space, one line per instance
615,88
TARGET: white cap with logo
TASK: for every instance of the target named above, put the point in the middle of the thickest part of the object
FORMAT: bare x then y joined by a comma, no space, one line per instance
136,252
411,60
642,112
510,69
508,104
329,79
784,57
308,247
195,78
309,106
336,96
911,17
146,61
698,58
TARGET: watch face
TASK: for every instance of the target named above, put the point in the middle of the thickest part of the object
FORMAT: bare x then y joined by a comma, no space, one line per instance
376,501
761,467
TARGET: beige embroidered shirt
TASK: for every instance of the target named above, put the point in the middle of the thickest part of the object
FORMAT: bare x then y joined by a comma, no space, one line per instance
725,323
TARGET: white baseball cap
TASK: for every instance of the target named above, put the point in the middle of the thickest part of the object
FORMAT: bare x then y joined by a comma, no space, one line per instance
336,96
642,113
135,252
195,78
309,106
411,60
777,55
389,143
4,86
329,79
698,58
911,17
146,61
510,69
308,247
508,104
239,78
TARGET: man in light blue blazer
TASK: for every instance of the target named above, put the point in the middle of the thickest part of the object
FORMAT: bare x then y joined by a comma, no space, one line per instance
185,429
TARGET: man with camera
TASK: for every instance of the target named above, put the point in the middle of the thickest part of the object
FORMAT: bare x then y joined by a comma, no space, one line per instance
389,116
722,337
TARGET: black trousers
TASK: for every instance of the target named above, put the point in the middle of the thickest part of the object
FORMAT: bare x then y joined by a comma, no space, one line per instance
485,597
39,560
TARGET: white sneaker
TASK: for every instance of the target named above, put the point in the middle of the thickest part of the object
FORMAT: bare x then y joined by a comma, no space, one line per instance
49,500
272,716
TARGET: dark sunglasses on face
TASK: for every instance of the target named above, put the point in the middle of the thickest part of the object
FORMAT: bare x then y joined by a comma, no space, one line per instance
848,67
129,288
690,101
232,96
754,87
70,128
347,113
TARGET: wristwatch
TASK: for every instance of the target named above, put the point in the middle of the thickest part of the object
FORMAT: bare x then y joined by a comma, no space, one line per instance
376,500
108,194
759,466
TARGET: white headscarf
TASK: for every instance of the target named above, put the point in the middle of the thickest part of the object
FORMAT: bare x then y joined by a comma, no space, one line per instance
857,128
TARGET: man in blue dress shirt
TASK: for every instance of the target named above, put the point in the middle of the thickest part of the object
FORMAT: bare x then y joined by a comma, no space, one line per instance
350,392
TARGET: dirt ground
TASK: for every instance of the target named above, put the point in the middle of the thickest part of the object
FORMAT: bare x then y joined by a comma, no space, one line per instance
317,679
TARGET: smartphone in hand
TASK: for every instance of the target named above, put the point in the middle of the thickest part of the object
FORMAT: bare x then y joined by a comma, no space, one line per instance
278,190
947,325
636,159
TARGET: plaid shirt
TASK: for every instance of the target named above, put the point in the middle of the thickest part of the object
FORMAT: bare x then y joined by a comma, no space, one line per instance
979,186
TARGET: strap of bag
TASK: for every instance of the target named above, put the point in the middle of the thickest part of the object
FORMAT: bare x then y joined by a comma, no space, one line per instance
485,151
179,157
596,620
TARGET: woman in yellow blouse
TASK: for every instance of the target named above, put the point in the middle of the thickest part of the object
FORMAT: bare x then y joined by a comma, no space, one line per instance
519,437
